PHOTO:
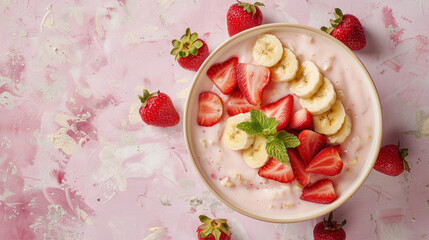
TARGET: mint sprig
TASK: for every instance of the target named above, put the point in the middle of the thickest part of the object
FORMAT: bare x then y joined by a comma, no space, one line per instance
277,142
276,148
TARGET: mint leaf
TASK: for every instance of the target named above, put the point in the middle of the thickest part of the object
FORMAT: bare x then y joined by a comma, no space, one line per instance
277,149
268,125
290,140
250,128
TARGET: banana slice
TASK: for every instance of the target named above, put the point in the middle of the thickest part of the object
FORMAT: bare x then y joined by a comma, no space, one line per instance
308,80
342,134
256,156
268,50
322,100
234,138
287,68
330,121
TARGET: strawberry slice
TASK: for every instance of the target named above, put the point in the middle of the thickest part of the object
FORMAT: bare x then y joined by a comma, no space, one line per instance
252,79
311,143
237,103
298,167
277,171
322,191
301,120
281,110
224,75
210,109
327,162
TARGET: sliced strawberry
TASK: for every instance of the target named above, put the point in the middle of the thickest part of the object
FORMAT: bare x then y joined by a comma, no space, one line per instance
224,75
281,110
237,103
311,143
252,79
210,109
322,191
294,132
301,120
327,162
298,167
277,171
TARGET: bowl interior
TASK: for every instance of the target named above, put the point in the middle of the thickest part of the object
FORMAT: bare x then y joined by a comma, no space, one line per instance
244,41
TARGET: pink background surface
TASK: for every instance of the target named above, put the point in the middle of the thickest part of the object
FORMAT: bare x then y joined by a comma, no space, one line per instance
76,161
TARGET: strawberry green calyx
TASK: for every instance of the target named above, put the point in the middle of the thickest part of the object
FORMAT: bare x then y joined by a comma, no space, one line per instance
248,7
332,225
404,152
214,227
338,19
188,44
146,96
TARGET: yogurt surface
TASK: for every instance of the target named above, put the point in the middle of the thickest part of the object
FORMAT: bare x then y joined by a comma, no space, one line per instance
226,171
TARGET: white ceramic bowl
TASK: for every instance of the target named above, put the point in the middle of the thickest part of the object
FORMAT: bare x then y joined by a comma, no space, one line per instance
191,106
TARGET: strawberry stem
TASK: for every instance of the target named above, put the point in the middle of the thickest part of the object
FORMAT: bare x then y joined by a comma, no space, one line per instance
334,22
214,227
146,96
404,153
332,225
248,7
188,44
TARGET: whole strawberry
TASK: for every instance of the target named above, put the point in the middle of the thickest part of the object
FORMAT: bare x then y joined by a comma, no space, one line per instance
391,160
242,16
347,29
329,230
157,110
213,229
190,51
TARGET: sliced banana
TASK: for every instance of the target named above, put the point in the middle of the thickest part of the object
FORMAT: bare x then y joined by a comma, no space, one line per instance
322,100
342,134
256,156
268,50
234,138
307,81
330,121
287,68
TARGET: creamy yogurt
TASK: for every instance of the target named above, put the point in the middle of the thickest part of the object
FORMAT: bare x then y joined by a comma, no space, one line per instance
241,185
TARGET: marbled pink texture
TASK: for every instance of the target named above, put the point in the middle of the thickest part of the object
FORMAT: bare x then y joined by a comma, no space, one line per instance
72,71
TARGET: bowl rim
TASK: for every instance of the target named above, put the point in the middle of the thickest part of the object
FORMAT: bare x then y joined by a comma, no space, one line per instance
378,113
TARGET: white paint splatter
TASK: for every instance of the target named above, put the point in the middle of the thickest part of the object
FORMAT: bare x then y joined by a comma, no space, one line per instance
62,119
422,122
85,217
240,232
12,169
101,12
134,116
183,80
183,93
129,140
6,193
139,89
111,167
157,233
5,81
48,11
77,13
133,38
7,100
63,141
425,127
7,143
5,3
84,92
